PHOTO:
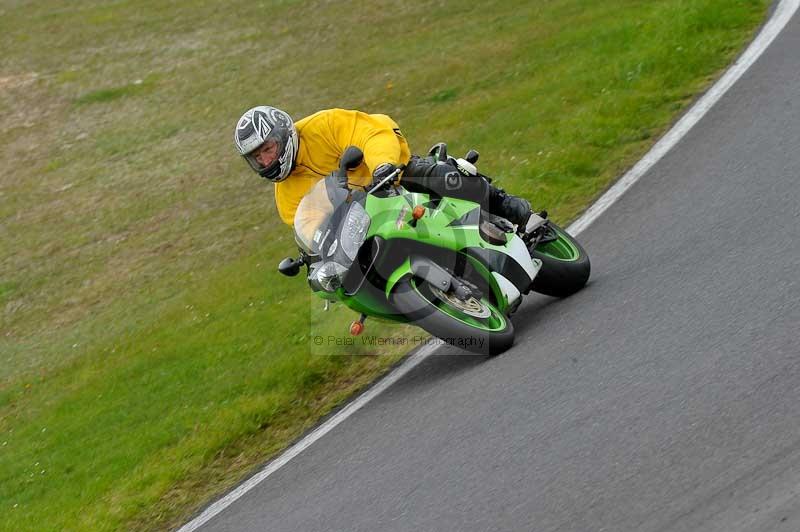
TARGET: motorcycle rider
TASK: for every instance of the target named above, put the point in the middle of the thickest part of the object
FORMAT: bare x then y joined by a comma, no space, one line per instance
295,156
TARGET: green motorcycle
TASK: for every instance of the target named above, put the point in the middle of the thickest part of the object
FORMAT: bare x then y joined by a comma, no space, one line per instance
440,263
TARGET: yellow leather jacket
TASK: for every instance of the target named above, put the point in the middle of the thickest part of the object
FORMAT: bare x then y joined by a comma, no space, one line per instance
323,138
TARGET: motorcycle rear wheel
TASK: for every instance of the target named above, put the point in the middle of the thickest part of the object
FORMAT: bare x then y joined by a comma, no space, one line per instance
475,325
565,265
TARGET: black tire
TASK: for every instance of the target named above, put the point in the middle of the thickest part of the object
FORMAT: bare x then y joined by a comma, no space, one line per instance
414,299
565,266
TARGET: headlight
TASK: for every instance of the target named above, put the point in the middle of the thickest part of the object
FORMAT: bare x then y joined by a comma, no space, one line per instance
354,230
329,276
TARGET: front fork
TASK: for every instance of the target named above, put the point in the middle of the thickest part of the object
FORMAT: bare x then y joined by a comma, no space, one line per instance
441,278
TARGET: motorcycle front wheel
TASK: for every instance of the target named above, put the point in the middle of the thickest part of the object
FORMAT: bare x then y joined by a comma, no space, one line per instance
475,325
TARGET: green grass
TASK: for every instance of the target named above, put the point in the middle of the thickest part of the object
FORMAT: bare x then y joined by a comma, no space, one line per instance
150,354
107,95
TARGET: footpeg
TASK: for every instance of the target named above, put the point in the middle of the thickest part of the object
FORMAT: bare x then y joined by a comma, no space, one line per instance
534,222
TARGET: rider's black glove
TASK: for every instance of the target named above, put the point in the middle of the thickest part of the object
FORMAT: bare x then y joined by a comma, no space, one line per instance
383,171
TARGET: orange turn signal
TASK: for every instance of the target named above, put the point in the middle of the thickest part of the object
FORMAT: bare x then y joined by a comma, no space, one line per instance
356,328
418,212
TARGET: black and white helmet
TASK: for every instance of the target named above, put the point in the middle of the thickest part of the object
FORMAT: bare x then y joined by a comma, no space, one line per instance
264,124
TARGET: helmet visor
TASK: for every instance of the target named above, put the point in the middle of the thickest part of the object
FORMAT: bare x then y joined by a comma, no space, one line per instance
267,153
266,158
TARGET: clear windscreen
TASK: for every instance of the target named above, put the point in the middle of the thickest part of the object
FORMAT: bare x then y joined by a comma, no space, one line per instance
330,227
313,216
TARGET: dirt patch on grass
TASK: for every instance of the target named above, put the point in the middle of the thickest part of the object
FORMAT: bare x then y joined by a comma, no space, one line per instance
20,80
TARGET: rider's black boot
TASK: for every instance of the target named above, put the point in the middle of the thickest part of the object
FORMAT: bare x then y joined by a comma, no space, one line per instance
513,208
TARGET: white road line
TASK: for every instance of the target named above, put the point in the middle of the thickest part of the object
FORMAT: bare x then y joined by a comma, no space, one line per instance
784,12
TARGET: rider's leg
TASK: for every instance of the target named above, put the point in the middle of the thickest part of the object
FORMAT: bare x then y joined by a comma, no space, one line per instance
425,174
513,208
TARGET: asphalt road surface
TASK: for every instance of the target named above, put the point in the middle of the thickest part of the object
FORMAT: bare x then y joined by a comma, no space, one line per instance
663,397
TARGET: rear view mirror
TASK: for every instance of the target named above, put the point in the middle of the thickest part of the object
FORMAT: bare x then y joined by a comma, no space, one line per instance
351,158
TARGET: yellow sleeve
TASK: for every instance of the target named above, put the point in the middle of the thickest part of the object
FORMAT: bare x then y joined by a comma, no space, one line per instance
377,135
385,144
381,147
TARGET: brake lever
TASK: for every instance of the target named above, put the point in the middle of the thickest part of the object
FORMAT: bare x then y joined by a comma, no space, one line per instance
390,177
